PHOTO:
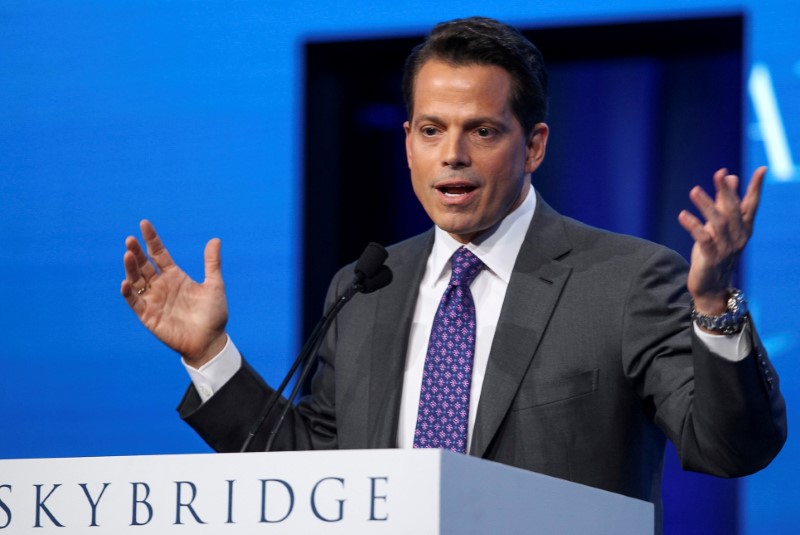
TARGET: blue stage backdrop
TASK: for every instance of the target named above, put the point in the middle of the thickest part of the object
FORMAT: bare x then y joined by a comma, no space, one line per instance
190,114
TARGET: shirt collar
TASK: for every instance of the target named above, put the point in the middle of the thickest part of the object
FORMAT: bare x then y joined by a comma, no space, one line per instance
497,248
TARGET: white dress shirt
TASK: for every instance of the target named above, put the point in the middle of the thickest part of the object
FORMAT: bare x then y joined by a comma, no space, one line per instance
498,250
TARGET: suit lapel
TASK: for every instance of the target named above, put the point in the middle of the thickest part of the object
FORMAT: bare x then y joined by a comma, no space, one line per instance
531,297
393,316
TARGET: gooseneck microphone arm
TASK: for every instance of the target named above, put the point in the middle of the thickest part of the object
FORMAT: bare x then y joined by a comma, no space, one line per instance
370,275
309,361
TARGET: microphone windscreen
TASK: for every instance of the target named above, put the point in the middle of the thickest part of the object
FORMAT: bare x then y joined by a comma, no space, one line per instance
382,278
371,261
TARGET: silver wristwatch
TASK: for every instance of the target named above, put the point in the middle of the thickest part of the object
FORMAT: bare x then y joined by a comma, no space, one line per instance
731,321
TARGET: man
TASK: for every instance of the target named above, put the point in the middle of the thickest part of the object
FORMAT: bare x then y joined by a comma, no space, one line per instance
577,354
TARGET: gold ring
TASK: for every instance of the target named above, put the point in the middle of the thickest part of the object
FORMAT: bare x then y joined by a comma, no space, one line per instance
142,290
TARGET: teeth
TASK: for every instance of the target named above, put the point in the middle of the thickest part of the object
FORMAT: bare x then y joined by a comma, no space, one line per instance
455,191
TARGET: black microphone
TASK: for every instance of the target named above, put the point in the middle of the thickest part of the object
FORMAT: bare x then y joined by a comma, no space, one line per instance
382,278
370,275
368,267
370,261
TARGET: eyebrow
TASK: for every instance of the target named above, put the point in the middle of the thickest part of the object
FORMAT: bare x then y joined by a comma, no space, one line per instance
426,118
472,122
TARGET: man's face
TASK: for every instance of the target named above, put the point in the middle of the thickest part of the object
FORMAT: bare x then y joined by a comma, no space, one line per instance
470,161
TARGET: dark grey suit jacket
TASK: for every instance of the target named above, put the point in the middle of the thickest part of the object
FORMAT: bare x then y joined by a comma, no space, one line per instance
594,363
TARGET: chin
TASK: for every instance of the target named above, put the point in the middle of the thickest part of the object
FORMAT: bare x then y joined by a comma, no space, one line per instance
462,234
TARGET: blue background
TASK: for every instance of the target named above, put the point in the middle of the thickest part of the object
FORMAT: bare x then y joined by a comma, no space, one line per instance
191,114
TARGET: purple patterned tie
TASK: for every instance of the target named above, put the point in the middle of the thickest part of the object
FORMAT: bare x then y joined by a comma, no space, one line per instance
443,414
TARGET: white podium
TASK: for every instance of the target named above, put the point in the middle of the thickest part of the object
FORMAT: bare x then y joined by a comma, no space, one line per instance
402,492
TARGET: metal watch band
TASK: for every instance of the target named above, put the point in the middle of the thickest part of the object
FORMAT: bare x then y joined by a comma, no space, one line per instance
731,321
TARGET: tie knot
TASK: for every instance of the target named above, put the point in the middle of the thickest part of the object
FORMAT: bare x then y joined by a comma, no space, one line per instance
465,267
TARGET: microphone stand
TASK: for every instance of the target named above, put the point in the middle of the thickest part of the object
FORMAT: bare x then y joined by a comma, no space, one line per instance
309,348
371,275
310,360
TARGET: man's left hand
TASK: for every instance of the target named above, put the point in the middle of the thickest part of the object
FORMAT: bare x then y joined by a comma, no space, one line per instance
719,241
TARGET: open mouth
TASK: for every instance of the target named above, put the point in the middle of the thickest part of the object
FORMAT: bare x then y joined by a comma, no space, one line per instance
456,190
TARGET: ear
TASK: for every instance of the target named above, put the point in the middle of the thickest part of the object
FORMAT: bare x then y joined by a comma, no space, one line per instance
407,128
536,147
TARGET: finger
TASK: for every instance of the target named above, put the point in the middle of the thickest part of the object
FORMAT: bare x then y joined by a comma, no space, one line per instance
125,289
704,203
752,197
727,188
133,275
145,266
212,258
694,226
699,232
728,204
132,272
155,248
719,176
132,298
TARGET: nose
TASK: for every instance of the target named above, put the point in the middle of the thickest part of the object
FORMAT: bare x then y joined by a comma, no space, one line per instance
456,152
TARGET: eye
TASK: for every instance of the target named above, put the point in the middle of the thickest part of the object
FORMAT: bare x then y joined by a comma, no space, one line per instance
428,131
485,132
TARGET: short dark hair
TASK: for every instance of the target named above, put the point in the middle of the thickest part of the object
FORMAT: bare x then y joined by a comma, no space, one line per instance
485,41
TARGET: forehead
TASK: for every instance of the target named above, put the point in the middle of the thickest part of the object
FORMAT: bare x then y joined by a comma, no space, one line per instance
484,88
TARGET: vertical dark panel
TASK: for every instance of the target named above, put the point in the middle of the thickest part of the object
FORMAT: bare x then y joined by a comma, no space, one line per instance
701,131
322,196
357,187
604,119
701,117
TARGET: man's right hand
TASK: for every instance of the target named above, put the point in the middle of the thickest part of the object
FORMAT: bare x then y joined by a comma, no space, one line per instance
188,317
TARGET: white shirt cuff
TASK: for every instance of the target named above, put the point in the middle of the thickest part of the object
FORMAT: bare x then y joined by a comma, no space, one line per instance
212,375
733,347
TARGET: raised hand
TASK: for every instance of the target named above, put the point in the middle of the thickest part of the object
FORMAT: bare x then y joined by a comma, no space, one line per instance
719,241
188,317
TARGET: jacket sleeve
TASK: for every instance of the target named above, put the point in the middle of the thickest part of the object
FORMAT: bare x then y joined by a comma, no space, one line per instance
725,418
